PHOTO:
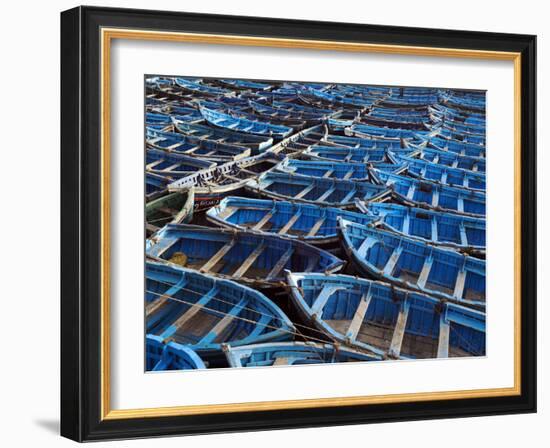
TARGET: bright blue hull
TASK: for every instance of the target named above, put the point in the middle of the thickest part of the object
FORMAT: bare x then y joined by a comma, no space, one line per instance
464,233
389,322
293,354
421,193
314,190
256,259
309,223
413,264
203,312
161,356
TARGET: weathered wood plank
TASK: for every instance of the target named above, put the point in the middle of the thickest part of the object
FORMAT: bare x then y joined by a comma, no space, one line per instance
459,285
349,196
313,231
191,312
290,222
218,256
249,261
399,331
305,191
425,273
326,194
280,264
359,316
390,265
262,222
444,333
322,298
224,323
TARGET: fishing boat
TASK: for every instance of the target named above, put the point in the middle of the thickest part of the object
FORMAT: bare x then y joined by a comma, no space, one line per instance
195,86
174,208
286,114
448,158
156,185
231,123
203,312
293,354
357,172
474,103
445,175
170,356
253,258
195,147
306,222
255,142
212,185
333,98
173,165
314,190
389,322
365,130
413,264
464,233
422,193
371,142
345,154
244,84
298,142
460,136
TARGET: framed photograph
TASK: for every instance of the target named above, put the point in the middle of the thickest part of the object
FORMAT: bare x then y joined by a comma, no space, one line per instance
277,224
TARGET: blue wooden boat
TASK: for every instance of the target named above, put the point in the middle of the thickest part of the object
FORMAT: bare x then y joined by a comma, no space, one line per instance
365,130
174,208
213,184
293,354
460,148
460,232
357,172
413,264
422,193
304,108
244,84
334,98
459,125
170,356
449,113
465,102
185,114
195,86
195,147
314,190
390,322
347,155
370,142
203,312
253,258
228,122
460,136
445,175
296,124
172,164
449,158
256,142
339,124
306,222
156,119
395,123
298,142
156,185
286,113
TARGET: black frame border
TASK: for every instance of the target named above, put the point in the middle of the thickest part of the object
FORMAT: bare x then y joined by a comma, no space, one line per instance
81,223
